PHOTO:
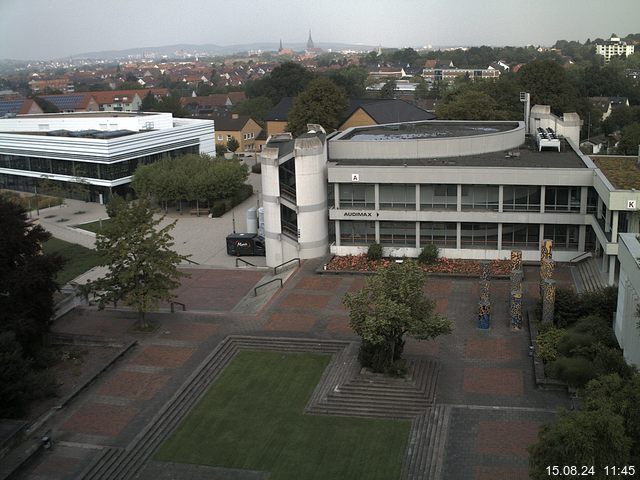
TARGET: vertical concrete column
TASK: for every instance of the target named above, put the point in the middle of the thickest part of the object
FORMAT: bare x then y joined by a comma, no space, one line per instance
377,231
614,226
376,196
612,269
337,228
417,197
270,179
543,192
541,235
459,199
584,193
458,235
336,195
599,209
607,221
499,236
500,202
605,259
582,237
417,234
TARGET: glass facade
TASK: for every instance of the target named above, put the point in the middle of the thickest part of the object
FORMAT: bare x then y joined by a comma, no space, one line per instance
562,199
479,235
398,234
398,196
357,196
289,222
565,237
441,234
357,233
521,198
287,175
438,197
520,235
480,197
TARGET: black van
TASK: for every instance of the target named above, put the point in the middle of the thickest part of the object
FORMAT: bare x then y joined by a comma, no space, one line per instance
239,244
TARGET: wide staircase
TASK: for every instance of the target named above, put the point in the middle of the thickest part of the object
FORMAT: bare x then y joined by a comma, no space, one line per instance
588,277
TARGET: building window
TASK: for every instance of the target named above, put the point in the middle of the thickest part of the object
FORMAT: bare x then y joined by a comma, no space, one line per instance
287,174
592,201
229,137
441,234
562,199
438,197
357,233
289,222
220,138
520,235
565,237
521,198
479,235
357,196
398,234
480,197
398,196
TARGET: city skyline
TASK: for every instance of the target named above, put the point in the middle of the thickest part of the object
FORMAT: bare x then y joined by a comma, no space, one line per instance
43,29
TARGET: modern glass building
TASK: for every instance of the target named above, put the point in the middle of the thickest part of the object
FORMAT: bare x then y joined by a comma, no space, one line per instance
99,150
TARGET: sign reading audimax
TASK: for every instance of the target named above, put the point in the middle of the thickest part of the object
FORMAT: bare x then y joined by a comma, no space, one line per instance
360,214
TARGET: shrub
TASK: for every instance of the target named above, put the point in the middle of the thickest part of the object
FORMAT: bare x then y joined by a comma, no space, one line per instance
610,360
602,303
597,326
547,343
576,371
218,208
256,168
374,252
567,307
572,343
429,254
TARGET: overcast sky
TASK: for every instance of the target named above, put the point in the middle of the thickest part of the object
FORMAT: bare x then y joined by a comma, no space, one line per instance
44,29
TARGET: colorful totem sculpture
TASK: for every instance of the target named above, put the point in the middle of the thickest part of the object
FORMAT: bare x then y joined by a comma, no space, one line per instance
484,305
515,299
516,260
547,264
549,300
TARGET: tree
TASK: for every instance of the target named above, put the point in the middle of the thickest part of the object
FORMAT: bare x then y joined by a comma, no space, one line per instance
149,103
27,278
388,90
580,438
322,102
143,268
630,140
171,104
422,91
353,79
470,105
232,144
547,82
286,80
257,108
391,305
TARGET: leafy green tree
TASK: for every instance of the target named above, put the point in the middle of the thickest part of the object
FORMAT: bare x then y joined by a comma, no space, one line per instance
143,267
391,305
286,80
405,56
547,82
388,90
257,108
471,105
322,102
232,144
630,140
422,91
353,79
171,104
581,438
149,103
27,278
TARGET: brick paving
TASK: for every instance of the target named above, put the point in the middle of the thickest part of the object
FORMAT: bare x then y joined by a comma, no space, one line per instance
485,376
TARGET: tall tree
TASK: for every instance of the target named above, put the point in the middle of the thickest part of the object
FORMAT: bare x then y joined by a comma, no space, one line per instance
471,105
322,102
27,277
630,140
388,90
286,80
392,304
547,82
143,267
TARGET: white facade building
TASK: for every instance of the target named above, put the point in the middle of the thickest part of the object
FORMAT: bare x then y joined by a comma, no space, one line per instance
614,47
98,149
626,321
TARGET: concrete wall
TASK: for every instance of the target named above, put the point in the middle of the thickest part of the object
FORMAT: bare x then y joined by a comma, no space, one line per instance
625,326
271,203
91,121
568,126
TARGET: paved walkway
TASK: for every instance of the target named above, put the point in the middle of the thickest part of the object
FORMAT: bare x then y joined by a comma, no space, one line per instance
486,380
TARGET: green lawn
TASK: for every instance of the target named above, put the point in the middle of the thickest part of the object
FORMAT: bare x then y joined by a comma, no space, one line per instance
79,259
252,418
94,226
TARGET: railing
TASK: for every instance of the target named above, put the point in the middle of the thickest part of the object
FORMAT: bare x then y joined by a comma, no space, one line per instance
191,261
255,290
288,192
172,306
244,261
582,256
275,269
290,229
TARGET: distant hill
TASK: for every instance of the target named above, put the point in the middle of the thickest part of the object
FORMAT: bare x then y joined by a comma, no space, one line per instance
212,49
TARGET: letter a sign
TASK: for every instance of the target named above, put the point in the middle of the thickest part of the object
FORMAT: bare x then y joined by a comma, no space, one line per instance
355,177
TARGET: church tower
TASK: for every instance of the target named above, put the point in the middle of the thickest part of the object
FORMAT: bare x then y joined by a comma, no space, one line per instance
310,45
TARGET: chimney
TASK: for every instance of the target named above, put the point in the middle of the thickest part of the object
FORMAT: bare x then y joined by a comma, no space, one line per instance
234,116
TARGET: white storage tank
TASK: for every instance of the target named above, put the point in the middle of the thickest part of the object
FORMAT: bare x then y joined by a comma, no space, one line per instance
252,220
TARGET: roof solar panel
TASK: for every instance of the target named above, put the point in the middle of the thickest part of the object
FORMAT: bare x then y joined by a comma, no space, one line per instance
10,106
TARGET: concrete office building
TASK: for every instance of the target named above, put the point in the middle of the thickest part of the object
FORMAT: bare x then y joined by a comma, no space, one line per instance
475,189
626,321
99,149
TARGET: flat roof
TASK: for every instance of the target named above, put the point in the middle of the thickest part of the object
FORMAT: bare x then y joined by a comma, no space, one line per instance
97,134
104,114
622,172
425,130
527,156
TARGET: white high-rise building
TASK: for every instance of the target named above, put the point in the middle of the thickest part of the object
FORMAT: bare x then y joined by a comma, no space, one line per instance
614,47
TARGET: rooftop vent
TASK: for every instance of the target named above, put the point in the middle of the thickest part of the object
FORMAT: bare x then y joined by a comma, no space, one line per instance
547,139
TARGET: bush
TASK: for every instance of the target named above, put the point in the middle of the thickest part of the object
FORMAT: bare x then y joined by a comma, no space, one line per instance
597,326
256,168
575,371
374,252
220,207
610,360
547,343
567,307
601,304
429,254
575,343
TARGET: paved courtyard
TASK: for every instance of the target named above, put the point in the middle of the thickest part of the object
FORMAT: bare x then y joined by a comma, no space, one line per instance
486,377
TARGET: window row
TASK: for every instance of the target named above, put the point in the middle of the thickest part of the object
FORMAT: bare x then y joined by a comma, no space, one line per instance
520,198
444,234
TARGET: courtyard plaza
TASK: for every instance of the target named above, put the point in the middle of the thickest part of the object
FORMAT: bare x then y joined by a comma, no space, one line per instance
487,405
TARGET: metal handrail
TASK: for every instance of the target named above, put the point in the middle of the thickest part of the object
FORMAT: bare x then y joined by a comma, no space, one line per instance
191,261
275,269
171,305
578,258
255,290
238,259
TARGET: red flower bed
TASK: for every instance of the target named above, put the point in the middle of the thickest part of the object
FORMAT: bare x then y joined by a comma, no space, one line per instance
359,263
